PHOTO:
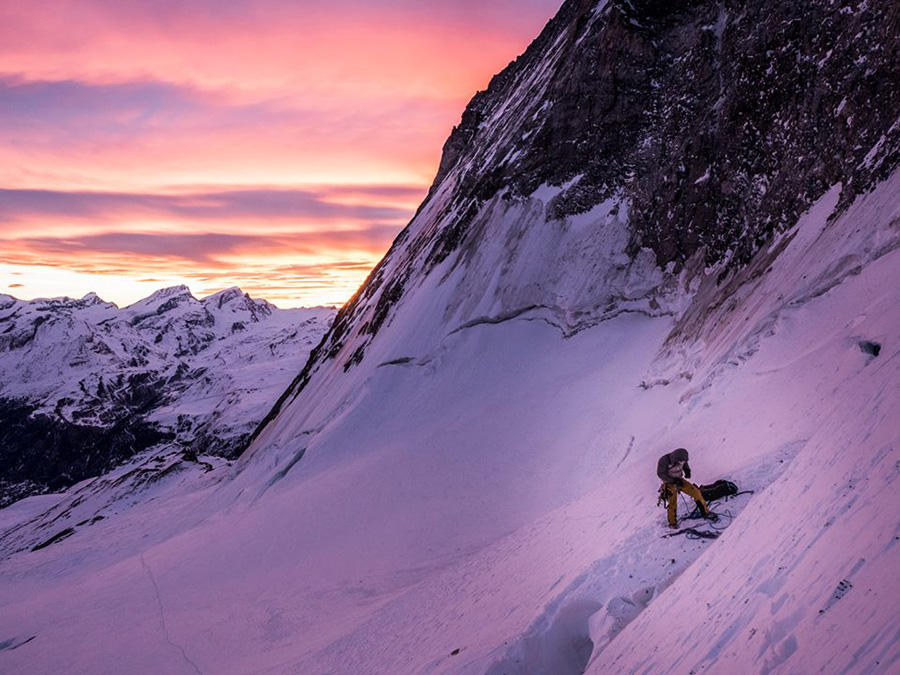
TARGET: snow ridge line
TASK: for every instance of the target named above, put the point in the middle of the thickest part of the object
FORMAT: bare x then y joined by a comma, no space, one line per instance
162,617
502,318
556,318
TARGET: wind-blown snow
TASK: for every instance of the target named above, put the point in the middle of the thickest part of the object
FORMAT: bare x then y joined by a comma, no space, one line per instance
483,501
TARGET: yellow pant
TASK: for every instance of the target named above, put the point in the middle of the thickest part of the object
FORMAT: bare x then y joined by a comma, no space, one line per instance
690,490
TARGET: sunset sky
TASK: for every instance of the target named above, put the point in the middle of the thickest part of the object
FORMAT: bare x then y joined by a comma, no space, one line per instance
275,145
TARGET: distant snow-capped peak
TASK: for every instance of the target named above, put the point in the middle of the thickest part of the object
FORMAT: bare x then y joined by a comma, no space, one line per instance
169,368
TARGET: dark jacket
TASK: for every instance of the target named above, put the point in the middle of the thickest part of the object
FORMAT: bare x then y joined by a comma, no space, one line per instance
673,466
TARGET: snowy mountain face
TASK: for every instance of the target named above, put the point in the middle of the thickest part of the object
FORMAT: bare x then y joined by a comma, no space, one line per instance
636,138
665,225
87,385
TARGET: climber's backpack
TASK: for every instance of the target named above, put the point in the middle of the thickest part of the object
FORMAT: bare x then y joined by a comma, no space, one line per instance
718,490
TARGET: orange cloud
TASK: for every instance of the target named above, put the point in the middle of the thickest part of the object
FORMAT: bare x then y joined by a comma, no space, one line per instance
319,205
295,247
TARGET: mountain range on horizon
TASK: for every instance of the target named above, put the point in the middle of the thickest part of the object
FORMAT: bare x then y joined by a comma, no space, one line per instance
166,291
88,385
666,224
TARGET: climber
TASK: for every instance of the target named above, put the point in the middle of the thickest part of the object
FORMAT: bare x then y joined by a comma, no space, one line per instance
672,470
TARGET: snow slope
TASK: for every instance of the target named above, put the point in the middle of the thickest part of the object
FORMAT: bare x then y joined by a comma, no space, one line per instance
489,506
666,224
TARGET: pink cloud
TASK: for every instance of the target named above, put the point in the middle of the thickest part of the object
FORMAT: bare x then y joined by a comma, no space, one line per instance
150,134
255,138
349,47
298,205
209,249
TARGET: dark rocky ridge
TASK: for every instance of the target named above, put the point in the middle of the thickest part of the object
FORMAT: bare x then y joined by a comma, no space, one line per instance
719,123
40,453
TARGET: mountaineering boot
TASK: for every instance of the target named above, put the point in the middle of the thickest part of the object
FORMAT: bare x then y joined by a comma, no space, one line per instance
691,490
712,516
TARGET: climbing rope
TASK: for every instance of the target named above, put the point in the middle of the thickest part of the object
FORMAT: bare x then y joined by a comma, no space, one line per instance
722,519
693,533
